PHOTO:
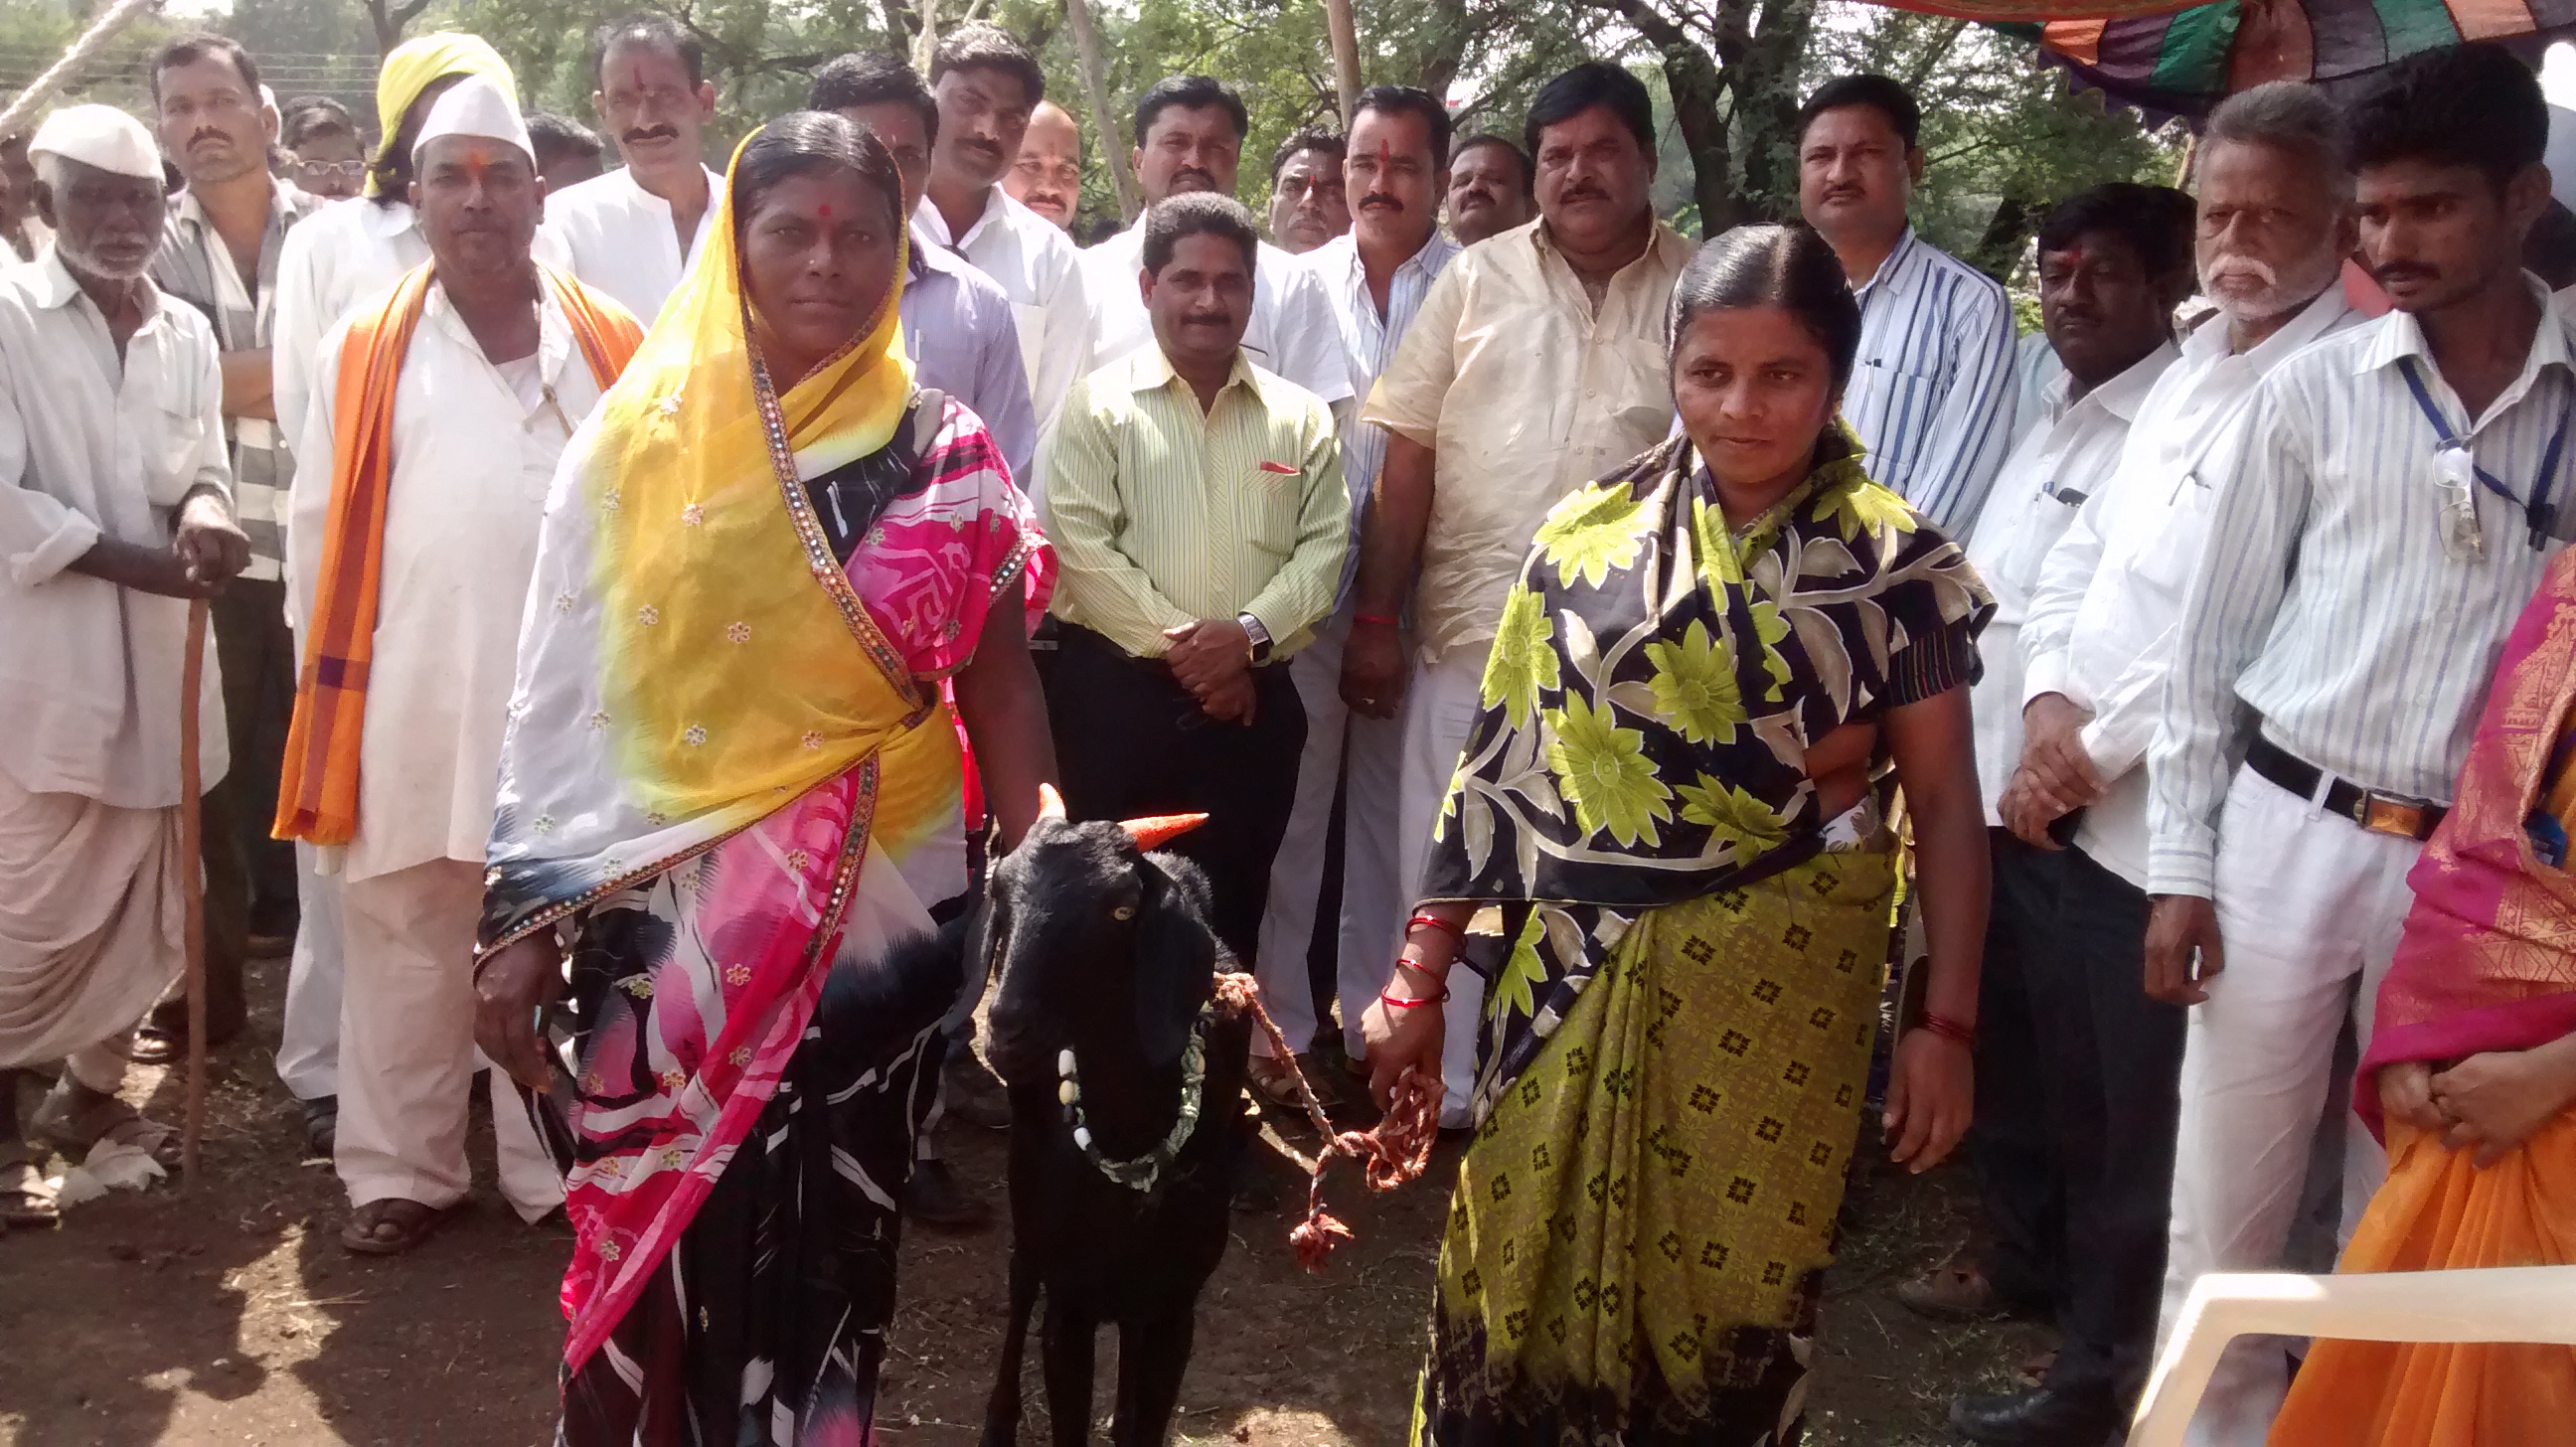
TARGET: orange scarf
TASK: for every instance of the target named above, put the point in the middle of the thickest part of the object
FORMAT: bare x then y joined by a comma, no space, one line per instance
317,796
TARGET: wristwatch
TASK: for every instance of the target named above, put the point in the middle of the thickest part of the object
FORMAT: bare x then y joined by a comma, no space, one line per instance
1259,635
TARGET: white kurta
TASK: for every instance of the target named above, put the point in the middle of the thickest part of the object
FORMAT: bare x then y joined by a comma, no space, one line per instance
1038,268
619,238
471,467
91,447
1293,331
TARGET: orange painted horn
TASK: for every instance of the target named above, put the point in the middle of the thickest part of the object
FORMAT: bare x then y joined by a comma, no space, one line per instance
1154,831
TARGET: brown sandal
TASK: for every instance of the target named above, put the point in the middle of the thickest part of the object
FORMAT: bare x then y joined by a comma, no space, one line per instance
25,1199
412,1223
108,1119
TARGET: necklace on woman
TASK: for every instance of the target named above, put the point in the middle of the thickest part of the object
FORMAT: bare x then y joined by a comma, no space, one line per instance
1141,1172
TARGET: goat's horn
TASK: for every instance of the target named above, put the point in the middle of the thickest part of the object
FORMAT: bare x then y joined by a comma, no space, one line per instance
1154,831
1050,803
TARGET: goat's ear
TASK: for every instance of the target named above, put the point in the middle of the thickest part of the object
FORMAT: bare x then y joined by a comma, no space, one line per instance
1175,963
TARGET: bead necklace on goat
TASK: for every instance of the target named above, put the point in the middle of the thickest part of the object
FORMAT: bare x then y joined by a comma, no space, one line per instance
1141,1172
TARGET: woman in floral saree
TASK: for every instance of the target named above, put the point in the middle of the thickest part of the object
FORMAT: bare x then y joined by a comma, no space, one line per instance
732,787
2470,1078
1670,795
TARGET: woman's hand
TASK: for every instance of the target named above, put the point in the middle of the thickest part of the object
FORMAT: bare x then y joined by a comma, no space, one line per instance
2499,1099
515,982
1398,1037
2406,1093
1931,1091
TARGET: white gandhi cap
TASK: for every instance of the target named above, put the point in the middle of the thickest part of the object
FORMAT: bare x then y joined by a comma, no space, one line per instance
476,106
100,136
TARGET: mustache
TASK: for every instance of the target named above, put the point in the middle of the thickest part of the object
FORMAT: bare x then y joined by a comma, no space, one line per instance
1205,319
209,133
2247,268
1195,173
651,133
1474,193
1376,199
1582,191
2403,271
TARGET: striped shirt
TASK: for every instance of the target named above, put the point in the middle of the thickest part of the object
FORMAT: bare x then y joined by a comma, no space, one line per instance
1370,340
1933,392
195,266
1163,515
2325,601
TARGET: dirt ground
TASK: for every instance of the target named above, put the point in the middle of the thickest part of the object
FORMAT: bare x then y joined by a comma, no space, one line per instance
228,1312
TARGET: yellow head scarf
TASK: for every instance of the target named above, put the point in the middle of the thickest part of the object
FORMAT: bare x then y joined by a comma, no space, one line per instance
416,64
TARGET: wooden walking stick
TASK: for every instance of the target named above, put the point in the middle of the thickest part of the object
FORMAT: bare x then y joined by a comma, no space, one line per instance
192,893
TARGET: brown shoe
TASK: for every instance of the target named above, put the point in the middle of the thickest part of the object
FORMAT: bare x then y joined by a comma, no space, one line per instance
1276,1083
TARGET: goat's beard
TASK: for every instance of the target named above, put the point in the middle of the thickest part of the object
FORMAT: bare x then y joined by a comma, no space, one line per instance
2250,289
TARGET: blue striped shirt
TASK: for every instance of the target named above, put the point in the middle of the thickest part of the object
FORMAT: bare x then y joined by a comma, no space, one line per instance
1370,341
1933,393
2324,601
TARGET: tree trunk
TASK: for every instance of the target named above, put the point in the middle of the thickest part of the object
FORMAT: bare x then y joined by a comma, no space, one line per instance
1346,55
1765,86
1095,84
1693,79
389,17
1998,251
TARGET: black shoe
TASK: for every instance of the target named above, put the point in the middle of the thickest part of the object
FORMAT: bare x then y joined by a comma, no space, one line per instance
972,1094
321,1125
934,1198
2040,1417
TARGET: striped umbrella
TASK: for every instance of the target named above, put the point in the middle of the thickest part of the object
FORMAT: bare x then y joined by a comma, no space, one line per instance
2187,61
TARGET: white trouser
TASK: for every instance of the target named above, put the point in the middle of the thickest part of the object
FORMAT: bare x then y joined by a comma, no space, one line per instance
407,1042
308,1040
2309,908
1372,750
1440,706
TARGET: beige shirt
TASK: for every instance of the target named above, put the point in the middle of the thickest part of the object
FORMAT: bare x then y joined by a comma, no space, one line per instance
1526,393
475,447
92,446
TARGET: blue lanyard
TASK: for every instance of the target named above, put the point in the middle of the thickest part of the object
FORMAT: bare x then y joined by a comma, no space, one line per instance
2539,513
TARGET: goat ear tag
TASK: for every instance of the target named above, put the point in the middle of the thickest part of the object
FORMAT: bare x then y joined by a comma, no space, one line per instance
1155,831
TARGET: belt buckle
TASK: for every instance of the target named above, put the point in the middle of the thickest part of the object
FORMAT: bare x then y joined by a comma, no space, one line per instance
2389,814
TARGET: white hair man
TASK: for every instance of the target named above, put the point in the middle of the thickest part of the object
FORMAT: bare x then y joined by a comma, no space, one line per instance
115,512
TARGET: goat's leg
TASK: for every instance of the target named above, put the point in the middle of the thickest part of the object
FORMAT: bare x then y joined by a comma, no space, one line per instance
1064,1351
1002,1409
1152,1356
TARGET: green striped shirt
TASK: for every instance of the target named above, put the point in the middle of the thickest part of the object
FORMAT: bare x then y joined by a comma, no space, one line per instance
1163,515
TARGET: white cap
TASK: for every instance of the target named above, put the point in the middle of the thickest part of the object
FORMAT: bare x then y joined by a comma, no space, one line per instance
476,106
100,136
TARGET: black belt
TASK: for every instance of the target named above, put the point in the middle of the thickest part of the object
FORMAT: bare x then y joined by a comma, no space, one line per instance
2379,813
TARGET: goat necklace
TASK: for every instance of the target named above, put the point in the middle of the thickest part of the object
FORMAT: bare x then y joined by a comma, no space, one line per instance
1141,1172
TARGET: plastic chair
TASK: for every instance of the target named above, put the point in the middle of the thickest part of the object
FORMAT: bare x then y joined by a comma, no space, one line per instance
2505,1304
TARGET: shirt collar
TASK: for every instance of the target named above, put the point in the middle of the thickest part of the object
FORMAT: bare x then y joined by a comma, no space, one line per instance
1154,373
55,288
2208,344
1341,255
1657,241
2400,336
2121,395
383,220
928,217
281,206
1891,272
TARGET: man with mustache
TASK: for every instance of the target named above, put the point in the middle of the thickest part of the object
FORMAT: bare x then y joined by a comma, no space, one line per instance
1199,521
985,84
1489,188
1377,275
634,232
219,252
1932,397
1308,205
1535,365
1189,137
412,532
114,512
2393,505
2114,262
1047,177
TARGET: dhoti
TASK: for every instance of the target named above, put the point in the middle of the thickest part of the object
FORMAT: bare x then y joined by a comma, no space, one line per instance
92,926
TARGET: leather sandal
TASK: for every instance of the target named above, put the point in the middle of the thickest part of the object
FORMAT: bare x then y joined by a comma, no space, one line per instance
75,1132
25,1199
411,1223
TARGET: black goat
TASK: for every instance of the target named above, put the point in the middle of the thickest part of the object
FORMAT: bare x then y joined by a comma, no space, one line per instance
1107,969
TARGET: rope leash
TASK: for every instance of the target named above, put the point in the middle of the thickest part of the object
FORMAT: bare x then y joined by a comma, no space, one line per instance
1392,1152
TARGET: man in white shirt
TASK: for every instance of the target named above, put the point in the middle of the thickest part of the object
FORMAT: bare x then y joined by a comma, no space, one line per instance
2392,509
2113,262
634,232
471,374
115,508
1377,275
1189,137
2275,222
1047,177
985,84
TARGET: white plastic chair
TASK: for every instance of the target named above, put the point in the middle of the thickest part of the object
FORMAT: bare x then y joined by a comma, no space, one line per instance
2503,1304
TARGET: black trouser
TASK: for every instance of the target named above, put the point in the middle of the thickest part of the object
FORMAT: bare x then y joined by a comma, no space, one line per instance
2112,1058
2019,1179
1131,741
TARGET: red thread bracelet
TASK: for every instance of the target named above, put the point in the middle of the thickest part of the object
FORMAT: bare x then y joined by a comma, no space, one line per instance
1374,620
1442,925
1949,1029
1392,1002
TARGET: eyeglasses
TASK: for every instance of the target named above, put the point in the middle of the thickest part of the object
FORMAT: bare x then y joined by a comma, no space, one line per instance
345,170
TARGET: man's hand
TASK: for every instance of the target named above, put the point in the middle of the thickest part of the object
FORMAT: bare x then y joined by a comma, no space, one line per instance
2500,1098
518,980
1373,670
2183,949
1230,702
1208,654
208,547
2052,753
2406,1093
2027,812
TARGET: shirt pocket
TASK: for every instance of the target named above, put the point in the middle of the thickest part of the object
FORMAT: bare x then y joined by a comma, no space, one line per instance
170,454
1272,501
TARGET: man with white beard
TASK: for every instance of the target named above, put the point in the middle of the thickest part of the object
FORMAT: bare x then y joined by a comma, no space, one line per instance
2100,637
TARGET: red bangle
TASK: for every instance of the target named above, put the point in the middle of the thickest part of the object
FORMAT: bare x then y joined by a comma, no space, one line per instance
1442,925
1374,620
1949,1029
1392,1002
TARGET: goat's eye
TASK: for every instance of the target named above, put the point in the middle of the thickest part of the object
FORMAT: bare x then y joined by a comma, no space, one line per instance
1124,911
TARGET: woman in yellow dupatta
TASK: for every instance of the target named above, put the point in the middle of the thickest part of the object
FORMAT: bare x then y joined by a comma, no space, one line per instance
2471,1077
732,788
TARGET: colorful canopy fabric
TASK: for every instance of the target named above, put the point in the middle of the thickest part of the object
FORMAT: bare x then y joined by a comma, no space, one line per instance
2186,62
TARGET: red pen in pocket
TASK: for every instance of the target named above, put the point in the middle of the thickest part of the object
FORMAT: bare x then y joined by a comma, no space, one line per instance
1280,469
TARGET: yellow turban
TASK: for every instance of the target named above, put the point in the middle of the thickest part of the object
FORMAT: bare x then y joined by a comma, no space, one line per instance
418,63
